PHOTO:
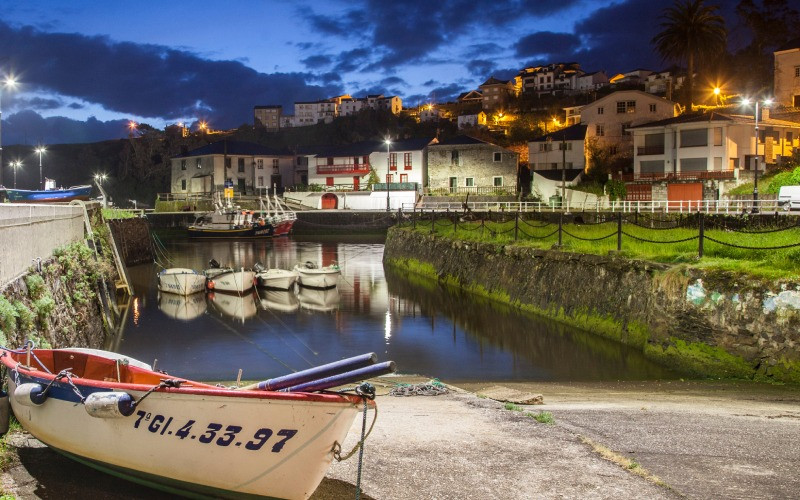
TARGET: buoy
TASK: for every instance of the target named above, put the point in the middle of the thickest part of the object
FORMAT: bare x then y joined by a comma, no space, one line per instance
30,394
5,412
210,284
109,404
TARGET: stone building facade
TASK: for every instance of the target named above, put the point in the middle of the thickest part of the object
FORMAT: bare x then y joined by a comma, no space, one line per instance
468,165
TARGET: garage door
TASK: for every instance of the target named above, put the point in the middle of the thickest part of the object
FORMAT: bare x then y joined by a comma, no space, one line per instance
684,192
639,192
329,201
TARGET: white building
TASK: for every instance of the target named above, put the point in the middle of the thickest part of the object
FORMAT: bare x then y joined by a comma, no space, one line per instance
787,74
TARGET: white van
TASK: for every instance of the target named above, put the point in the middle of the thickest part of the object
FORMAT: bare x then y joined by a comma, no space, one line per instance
789,197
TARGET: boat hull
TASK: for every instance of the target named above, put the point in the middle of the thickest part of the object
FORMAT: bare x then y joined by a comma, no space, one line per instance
318,278
195,438
230,281
266,231
278,279
50,195
181,281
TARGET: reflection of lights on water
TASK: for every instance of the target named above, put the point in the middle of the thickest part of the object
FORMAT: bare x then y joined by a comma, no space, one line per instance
136,310
387,327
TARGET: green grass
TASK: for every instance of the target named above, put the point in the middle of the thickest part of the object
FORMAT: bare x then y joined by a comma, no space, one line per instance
543,417
769,264
117,213
512,407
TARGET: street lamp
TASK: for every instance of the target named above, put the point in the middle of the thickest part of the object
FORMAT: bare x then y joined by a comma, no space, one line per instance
16,165
40,150
98,179
563,169
765,102
388,173
9,82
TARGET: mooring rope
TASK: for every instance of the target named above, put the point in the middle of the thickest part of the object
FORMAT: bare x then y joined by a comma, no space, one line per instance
432,388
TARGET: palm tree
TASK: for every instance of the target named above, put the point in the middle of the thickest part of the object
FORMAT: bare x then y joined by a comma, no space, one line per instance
693,32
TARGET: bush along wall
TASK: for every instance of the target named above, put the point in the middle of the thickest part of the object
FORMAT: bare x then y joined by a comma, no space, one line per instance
703,323
57,305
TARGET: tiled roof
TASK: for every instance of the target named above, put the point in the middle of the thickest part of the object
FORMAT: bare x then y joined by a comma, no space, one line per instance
713,116
462,140
234,148
573,133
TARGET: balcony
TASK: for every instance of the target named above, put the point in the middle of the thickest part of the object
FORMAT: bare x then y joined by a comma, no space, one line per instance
650,150
344,168
676,176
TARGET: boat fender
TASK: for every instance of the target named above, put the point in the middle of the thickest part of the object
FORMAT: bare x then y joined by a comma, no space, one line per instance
109,404
210,284
5,413
30,394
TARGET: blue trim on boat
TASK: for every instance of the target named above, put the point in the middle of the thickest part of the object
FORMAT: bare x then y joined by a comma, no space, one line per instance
50,195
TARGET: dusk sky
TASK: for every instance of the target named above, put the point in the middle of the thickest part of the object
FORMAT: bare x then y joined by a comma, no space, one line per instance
85,68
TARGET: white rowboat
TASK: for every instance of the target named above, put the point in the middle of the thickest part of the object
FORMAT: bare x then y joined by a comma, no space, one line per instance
181,281
318,277
279,279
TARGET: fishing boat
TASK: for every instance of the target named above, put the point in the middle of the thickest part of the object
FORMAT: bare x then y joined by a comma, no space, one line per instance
50,193
227,279
227,221
182,307
279,215
313,276
181,281
279,279
119,416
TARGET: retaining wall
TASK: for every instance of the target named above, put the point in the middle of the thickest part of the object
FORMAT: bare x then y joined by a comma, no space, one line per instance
31,231
702,322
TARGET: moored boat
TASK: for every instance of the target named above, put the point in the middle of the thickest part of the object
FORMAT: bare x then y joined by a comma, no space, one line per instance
279,279
181,281
227,279
119,416
52,195
310,275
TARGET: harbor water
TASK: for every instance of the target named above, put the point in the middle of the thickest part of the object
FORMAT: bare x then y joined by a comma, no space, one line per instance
425,328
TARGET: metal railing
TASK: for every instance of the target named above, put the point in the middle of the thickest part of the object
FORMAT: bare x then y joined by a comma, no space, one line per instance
481,190
674,206
670,176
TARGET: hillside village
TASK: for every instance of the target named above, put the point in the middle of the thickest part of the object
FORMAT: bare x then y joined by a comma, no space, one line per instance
629,134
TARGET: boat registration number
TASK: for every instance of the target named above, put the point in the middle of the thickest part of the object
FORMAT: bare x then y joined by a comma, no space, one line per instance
219,434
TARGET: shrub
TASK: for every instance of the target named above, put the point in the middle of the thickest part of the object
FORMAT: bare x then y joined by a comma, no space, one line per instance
35,285
25,316
8,316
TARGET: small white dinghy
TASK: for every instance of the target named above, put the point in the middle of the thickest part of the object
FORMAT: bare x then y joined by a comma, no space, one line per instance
119,416
276,279
313,276
181,281
227,279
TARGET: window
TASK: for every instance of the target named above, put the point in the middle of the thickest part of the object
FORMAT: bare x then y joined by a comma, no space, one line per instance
652,108
260,163
260,181
717,163
797,71
240,165
600,130
565,146
469,181
693,164
612,150
545,146
183,184
227,163
600,110
454,157
497,181
789,138
407,162
626,106
199,163
718,136
392,161
498,157
651,166
183,164
694,137
275,164
626,128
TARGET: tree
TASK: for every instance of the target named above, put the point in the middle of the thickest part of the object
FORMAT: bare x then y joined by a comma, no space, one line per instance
692,32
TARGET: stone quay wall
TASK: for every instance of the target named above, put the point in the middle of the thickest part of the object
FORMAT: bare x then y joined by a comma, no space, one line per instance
708,323
133,240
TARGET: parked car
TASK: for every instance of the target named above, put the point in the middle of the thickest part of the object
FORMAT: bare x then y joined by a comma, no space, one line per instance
789,197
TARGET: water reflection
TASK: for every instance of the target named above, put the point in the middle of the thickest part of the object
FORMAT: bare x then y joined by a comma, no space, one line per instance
182,307
426,329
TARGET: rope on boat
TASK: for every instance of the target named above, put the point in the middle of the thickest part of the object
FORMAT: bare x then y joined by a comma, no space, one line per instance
64,374
432,388
166,383
367,392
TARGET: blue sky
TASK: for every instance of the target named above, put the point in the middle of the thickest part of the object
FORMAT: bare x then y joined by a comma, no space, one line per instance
86,67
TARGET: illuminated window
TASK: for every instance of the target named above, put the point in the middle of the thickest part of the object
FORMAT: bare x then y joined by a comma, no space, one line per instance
626,106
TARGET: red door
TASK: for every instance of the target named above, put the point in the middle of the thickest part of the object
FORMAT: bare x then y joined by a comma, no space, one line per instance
356,180
329,181
329,201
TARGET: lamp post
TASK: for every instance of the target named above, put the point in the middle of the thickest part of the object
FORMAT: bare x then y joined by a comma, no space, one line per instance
40,150
98,179
9,82
388,173
563,169
766,102
15,165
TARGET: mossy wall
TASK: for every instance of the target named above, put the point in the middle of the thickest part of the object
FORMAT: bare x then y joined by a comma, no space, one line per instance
700,322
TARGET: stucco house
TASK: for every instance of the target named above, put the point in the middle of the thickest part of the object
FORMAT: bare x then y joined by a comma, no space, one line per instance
341,167
407,161
464,164
246,166
787,74
700,155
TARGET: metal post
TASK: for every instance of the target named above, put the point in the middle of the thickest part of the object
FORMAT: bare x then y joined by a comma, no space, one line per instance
560,223
701,223
755,164
414,218
619,232
516,225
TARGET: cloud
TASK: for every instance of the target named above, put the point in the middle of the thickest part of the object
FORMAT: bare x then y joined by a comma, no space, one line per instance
316,62
150,81
29,127
481,68
482,50
547,45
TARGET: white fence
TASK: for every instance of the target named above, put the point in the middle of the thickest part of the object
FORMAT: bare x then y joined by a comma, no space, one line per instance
687,206
29,232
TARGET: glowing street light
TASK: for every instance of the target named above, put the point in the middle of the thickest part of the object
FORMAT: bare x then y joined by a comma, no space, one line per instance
40,150
765,102
9,82
16,165
98,180
388,172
